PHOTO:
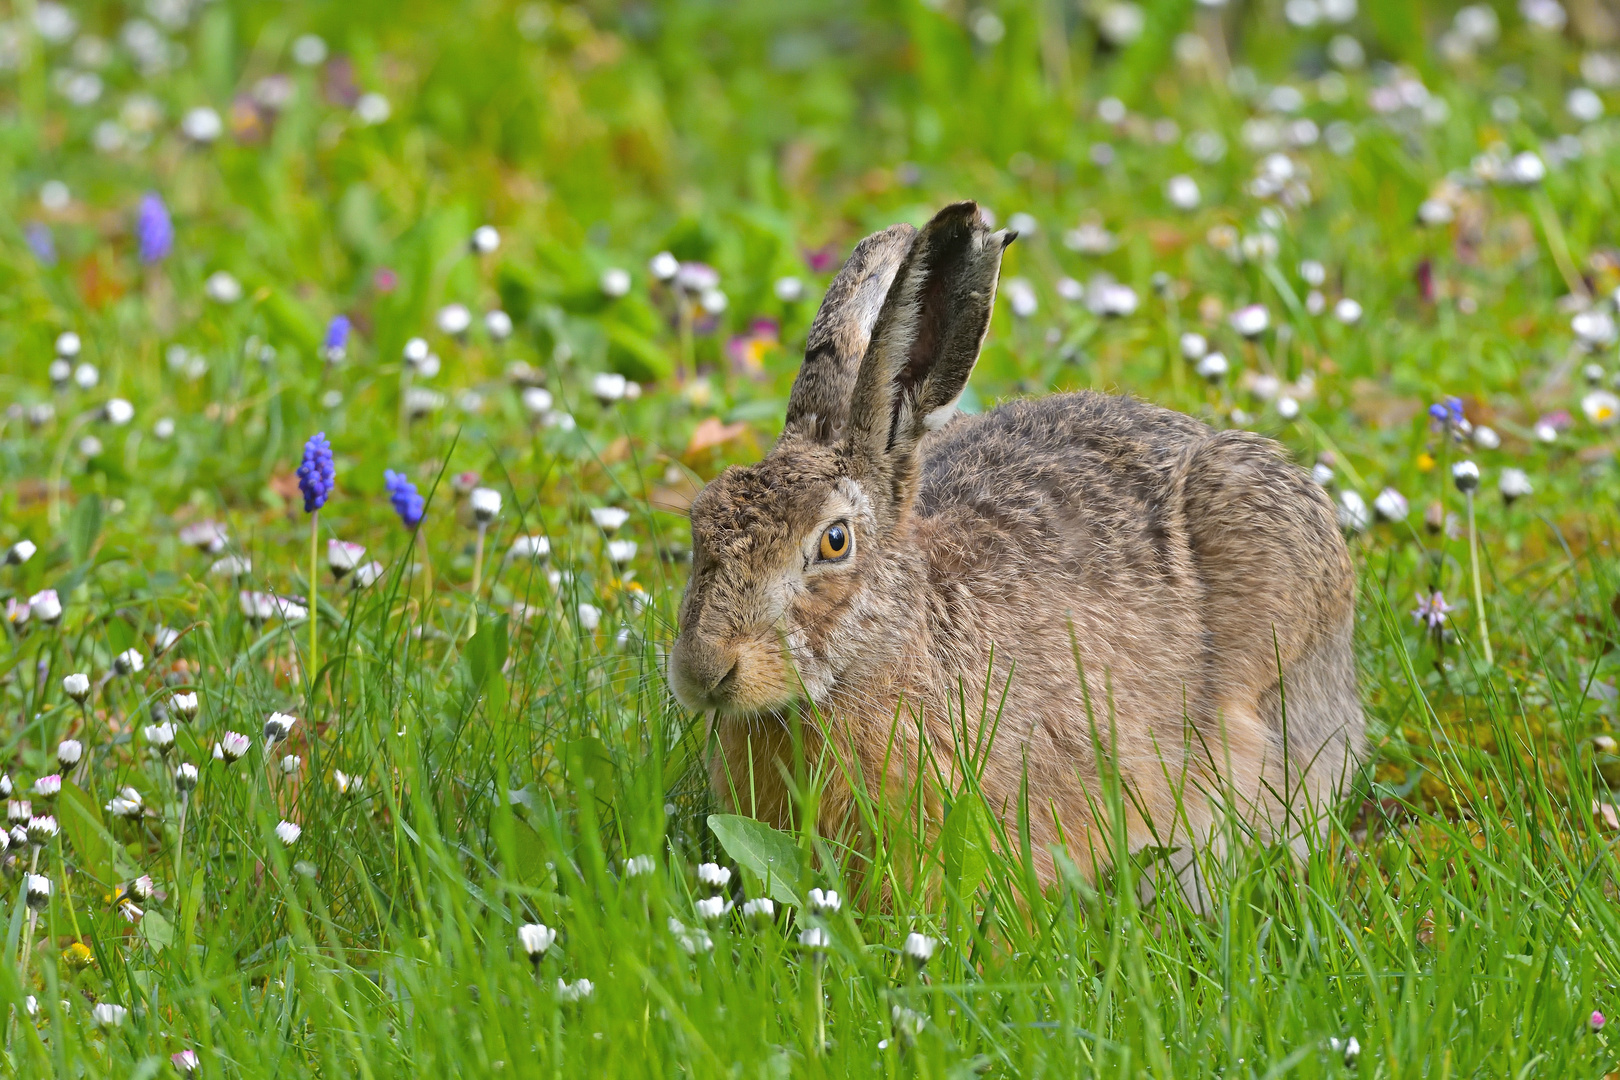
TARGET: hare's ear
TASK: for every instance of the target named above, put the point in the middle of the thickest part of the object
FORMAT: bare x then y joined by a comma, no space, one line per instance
925,343
818,407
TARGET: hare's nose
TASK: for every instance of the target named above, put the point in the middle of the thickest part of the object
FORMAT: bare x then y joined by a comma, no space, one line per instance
705,671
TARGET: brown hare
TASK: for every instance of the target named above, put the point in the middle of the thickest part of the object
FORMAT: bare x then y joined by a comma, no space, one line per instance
1126,581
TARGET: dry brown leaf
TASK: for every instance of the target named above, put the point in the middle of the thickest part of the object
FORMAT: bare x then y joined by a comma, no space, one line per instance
712,433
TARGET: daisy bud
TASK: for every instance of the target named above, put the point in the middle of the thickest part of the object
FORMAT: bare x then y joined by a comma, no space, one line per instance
118,412
185,777
1251,321
815,939
824,903
20,552
38,891
141,889
1514,484
42,830
18,811
232,746
1391,505
290,763
454,319
288,832
919,948
638,866
579,991
620,552
185,1062
345,784
537,548
711,908
485,239
46,606
664,266
68,752
608,387
1350,1048
609,518
108,1015
1465,474
161,736
368,574
1213,367
1596,1021
129,662
1193,347
5,786
48,787
759,909
498,324
184,706
68,345
536,938
714,875
277,726
76,686
486,504
615,282
126,804
343,557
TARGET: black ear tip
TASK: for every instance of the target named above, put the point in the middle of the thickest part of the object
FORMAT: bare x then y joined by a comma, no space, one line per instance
1007,237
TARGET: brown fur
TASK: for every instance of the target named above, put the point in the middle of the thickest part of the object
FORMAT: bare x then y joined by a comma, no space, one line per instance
1179,566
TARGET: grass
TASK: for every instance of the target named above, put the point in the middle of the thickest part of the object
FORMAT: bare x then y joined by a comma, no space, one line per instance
1460,919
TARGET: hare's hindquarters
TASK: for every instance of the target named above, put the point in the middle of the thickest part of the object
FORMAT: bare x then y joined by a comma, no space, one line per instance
1279,597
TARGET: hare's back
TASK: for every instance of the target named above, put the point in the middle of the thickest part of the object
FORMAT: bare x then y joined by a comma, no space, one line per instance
1086,483
1108,455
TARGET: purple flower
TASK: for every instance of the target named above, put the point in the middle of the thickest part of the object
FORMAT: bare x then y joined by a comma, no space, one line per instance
407,503
315,473
1595,1021
154,232
41,242
1431,609
337,334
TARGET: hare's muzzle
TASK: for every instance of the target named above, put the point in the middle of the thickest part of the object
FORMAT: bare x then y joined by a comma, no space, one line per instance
703,673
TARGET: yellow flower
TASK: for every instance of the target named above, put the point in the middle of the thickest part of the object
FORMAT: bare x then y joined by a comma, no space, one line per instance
78,956
1425,462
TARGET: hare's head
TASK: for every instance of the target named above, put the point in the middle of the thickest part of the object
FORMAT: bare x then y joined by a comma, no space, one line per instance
786,554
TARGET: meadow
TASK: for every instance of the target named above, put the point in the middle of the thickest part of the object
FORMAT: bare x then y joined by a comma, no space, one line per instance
361,360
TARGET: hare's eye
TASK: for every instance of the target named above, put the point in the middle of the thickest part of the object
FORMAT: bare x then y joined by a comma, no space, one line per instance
835,543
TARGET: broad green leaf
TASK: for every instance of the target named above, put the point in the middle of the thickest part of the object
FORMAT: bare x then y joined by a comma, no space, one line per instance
486,651
84,527
589,766
157,930
965,845
92,844
768,853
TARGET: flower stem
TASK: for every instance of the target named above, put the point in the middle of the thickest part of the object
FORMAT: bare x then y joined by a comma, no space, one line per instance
314,564
821,1005
53,487
1479,595
33,919
179,861
478,577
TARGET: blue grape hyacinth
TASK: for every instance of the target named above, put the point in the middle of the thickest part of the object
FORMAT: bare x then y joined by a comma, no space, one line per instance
407,503
154,232
336,343
315,473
